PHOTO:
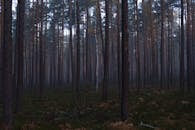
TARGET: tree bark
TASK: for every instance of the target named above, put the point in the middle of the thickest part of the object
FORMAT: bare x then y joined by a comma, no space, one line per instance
78,48
20,50
119,47
188,24
162,45
7,79
182,82
125,63
42,55
87,43
137,45
106,53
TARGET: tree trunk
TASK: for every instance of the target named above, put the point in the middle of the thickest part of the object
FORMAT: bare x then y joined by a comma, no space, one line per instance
87,43
20,50
188,24
1,38
106,53
7,83
144,46
78,48
182,82
99,24
125,63
97,60
119,47
41,62
137,45
162,45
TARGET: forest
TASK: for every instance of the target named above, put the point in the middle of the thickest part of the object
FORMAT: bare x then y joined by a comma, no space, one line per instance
97,64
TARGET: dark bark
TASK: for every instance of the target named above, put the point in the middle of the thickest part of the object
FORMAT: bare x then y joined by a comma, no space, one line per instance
1,38
193,39
137,45
71,44
106,53
144,46
87,43
99,19
182,82
169,60
41,49
119,46
162,45
125,63
78,48
188,24
20,51
7,77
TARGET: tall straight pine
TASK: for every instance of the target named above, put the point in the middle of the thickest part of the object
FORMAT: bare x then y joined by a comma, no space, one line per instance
7,65
125,63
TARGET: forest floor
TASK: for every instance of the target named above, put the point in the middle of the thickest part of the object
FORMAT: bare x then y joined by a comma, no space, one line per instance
148,109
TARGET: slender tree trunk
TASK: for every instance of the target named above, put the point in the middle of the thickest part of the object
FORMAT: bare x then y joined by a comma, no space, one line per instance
188,24
41,62
44,48
182,82
119,46
53,54
106,55
33,47
193,39
99,17
171,55
71,48
20,50
70,38
58,66
78,49
87,43
169,48
125,63
137,46
1,37
7,76
36,46
99,23
97,59
62,75
162,45
144,46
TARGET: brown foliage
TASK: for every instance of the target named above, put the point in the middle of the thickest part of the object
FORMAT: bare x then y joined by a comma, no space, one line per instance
121,126
30,126
67,126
